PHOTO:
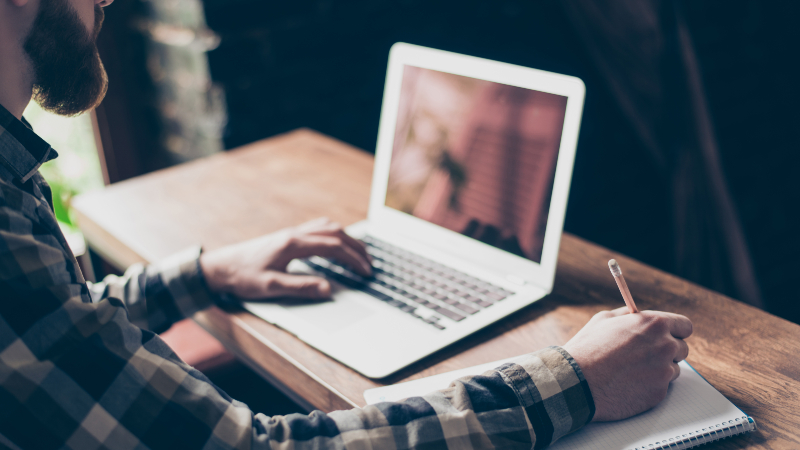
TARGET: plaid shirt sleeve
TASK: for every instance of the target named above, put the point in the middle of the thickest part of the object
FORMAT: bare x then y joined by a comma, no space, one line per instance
77,372
159,295
526,405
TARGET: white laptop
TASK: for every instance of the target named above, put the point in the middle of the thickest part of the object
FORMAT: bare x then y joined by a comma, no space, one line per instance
472,173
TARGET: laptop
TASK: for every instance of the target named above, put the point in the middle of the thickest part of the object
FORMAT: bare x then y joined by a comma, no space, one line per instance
472,172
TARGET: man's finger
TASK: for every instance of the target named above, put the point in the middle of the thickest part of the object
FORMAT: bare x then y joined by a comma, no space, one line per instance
621,311
680,326
353,243
609,314
277,284
676,371
683,351
329,247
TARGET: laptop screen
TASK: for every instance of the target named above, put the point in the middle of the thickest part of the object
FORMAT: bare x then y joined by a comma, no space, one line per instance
476,157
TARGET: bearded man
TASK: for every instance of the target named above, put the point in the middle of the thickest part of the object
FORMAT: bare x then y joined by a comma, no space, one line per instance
81,365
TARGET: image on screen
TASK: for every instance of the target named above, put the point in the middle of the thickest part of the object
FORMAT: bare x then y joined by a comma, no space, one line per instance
476,157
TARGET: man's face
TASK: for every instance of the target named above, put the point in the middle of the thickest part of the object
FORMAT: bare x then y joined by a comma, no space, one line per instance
69,77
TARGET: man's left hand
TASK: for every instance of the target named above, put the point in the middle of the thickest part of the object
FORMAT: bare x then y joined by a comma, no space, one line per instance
256,269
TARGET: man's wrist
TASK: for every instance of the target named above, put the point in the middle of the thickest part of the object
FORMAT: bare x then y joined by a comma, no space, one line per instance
181,275
214,276
551,388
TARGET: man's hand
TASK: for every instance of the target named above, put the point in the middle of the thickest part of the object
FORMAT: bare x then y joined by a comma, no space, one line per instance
256,269
630,359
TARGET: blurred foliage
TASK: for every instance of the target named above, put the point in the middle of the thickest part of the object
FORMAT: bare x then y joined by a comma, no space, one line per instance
77,168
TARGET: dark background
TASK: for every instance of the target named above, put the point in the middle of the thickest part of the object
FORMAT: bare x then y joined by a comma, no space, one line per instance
321,64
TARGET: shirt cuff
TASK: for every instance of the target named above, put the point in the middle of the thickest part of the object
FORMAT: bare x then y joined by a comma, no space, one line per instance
182,276
551,388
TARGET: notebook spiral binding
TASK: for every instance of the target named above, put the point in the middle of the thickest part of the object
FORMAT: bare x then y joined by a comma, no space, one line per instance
704,435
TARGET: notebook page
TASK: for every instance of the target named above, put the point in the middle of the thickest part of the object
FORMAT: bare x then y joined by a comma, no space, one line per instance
691,405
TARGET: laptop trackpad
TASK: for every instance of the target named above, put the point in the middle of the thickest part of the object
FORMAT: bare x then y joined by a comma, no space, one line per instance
347,308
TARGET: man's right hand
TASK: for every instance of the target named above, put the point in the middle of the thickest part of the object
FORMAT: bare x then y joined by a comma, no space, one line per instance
630,359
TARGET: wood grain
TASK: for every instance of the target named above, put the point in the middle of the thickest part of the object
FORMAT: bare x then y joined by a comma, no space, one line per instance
749,355
227,198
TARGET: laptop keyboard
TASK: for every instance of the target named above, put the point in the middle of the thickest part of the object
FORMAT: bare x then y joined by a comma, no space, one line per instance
429,291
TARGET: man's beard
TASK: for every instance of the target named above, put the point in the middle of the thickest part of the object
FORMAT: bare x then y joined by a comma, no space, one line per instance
69,77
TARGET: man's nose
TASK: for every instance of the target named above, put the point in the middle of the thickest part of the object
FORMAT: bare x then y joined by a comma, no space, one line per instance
103,3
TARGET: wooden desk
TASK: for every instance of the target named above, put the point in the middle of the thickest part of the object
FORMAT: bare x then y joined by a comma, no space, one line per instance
749,355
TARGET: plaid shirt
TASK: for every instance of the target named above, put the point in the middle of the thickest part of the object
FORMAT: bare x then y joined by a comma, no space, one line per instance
81,365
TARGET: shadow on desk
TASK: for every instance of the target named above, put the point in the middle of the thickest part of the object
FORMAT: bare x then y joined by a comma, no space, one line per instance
246,386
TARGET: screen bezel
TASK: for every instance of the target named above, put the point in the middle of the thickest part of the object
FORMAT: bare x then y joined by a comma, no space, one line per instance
485,256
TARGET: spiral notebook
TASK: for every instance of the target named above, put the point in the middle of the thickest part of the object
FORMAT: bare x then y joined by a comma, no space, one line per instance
693,413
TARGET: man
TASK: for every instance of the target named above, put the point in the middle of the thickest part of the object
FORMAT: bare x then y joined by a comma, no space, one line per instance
82,367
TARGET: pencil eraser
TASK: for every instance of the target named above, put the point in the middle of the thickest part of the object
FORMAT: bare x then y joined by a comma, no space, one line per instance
615,270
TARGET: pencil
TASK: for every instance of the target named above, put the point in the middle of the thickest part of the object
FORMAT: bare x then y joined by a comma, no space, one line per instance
623,286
